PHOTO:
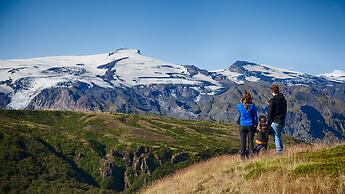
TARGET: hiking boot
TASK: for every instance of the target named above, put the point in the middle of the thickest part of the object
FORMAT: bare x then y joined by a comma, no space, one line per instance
244,157
279,152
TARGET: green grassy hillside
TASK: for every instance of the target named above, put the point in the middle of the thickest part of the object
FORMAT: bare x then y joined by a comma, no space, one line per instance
301,169
79,152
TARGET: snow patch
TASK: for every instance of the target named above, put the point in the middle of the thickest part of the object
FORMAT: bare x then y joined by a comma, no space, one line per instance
336,75
231,75
252,79
23,97
5,89
272,72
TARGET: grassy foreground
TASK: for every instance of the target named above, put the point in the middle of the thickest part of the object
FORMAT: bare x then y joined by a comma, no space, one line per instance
301,169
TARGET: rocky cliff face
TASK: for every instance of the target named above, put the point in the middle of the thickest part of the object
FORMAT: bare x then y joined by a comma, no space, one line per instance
121,169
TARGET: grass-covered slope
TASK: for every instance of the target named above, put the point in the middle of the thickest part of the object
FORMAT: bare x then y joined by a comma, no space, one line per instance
301,169
77,152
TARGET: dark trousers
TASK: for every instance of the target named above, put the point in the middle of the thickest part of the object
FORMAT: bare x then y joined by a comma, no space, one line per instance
247,131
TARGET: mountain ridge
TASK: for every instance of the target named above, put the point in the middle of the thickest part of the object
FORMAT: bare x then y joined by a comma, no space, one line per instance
129,82
245,62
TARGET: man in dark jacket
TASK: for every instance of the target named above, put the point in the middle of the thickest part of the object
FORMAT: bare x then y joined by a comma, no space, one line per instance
276,116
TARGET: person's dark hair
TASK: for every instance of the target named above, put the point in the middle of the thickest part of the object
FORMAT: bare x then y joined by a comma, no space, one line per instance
246,100
262,119
275,89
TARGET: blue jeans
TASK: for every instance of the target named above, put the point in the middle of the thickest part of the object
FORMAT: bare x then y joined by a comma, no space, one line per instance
277,131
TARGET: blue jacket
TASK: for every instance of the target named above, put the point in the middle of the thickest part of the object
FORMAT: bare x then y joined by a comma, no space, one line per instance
248,116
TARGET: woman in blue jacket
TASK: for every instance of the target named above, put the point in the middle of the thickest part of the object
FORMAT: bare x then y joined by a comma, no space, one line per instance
248,121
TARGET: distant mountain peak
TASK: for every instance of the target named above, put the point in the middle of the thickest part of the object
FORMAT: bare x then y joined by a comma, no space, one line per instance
125,50
254,72
336,75
137,51
241,64
24,79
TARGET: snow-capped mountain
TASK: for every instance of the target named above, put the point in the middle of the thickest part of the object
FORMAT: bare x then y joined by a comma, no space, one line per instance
242,71
336,75
127,81
24,79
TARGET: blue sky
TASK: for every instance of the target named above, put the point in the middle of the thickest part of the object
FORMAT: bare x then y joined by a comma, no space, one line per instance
307,36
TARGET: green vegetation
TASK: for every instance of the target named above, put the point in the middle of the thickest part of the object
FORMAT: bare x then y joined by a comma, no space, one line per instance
317,168
62,151
327,162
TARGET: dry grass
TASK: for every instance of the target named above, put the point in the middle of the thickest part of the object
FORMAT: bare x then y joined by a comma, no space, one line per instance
267,173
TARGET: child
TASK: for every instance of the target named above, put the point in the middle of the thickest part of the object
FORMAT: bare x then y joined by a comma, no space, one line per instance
262,135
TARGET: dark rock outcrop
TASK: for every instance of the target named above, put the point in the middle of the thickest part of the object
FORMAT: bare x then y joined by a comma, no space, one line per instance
121,168
180,157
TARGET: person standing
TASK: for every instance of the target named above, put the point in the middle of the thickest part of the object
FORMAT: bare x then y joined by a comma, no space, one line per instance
276,116
248,121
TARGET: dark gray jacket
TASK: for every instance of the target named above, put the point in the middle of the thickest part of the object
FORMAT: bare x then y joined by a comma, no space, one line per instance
277,109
